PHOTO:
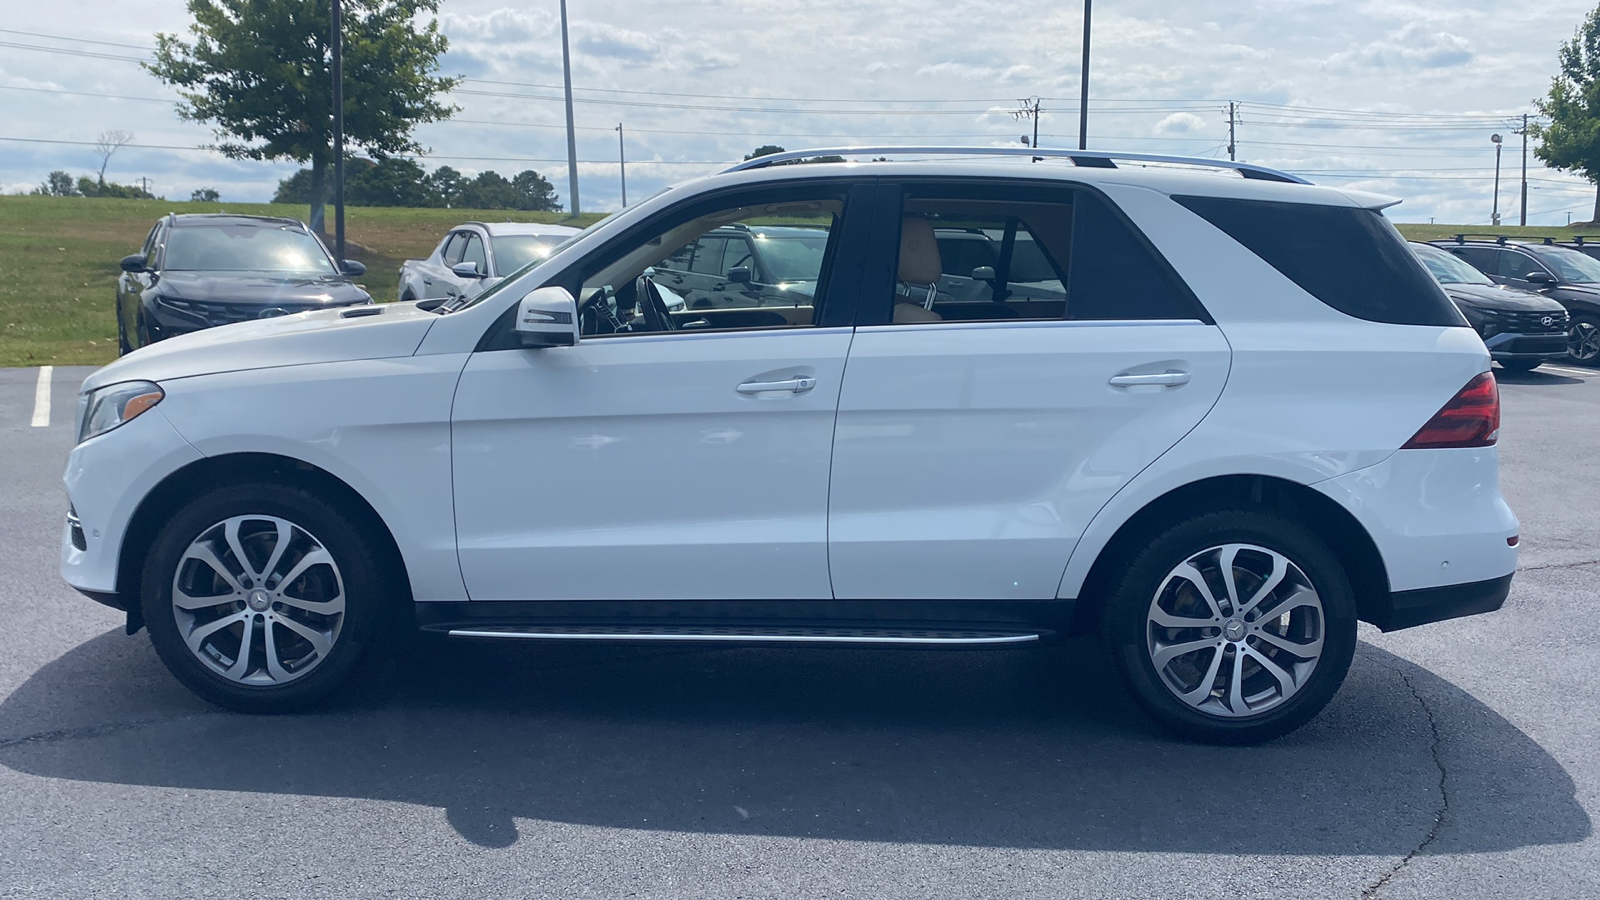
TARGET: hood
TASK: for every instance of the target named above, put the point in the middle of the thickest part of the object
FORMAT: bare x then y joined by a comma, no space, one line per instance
321,336
264,288
1495,296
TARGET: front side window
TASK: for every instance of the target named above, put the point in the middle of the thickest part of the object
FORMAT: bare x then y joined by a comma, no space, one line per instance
473,253
755,266
1348,257
454,247
246,248
979,254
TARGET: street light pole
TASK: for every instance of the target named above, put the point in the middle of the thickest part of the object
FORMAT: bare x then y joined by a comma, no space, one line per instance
622,164
1524,169
336,42
1083,94
1494,217
572,134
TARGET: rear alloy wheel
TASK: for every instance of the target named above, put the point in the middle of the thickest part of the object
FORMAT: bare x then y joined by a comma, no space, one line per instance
262,598
1583,341
1233,627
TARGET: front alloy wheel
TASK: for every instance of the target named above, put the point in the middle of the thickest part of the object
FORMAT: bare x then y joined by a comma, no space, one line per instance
1583,342
258,600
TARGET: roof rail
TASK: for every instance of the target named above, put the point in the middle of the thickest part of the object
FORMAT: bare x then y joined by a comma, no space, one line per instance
1462,238
1088,158
1579,239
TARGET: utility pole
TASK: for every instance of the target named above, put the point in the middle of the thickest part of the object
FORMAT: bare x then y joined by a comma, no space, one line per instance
1494,217
1230,131
1524,133
1030,110
572,134
1083,94
336,42
622,164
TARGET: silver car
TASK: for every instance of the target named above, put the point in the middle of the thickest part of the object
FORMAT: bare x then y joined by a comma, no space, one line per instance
474,256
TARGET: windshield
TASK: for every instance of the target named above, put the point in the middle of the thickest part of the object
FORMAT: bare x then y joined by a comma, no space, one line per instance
1447,268
513,251
793,258
246,248
463,303
1570,264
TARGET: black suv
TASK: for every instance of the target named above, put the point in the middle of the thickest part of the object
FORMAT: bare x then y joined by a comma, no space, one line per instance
1521,329
1560,273
197,271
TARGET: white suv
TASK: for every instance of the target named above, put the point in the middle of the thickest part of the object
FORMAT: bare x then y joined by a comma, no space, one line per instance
1234,417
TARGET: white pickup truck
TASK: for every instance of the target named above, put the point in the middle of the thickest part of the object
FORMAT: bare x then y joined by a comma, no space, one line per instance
474,256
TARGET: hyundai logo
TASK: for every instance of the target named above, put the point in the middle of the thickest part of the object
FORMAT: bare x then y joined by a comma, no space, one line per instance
1548,320
276,311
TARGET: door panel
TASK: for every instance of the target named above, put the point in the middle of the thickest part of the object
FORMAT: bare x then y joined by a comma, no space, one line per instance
633,467
969,457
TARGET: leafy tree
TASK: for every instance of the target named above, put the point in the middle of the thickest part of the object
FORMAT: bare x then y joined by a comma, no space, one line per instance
490,190
763,150
294,189
89,187
446,184
204,195
534,191
57,184
260,72
389,181
1571,139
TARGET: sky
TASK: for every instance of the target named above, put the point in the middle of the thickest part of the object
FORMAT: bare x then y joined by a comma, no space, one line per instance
1394,97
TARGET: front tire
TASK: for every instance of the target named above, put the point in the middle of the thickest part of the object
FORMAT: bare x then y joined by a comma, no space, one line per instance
1583,340
123,348
1232,627
263,598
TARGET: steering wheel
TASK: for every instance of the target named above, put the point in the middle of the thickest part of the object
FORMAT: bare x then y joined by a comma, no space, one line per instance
656,317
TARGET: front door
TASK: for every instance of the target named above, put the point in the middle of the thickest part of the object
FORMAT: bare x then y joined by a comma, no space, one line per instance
977,438
652,462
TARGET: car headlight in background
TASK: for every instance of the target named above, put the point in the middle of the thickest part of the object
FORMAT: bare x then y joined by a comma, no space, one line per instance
104,409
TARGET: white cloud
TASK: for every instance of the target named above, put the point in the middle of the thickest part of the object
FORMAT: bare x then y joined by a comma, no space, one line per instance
1413,46
1180,123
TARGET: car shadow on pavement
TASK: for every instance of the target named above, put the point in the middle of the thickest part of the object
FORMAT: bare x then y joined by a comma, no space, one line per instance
1026,749
1537,376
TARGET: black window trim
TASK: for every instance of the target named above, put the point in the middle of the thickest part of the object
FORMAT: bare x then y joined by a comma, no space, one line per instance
878,305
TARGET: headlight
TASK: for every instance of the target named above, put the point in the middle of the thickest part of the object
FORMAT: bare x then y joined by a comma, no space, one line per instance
113,405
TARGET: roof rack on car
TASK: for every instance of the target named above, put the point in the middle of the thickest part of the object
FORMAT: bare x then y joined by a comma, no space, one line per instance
1100,159
1580,238
1462,238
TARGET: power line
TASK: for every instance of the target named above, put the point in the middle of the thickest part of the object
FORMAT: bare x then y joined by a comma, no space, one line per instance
62,37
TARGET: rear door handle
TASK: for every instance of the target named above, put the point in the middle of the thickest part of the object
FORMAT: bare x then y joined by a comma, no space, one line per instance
795,385
1167,379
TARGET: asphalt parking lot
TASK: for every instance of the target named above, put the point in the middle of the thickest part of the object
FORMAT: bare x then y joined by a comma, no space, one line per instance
1460,760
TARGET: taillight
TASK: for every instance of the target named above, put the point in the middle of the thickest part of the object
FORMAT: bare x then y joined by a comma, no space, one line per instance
1470,419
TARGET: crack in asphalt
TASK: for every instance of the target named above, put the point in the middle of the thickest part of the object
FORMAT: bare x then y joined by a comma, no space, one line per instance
1373,890
93,732
1571,565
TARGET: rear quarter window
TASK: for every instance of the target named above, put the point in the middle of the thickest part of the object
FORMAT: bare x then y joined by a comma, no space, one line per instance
1352,259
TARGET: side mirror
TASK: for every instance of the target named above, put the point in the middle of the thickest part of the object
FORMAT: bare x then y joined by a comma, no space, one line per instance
133,263
1539,278
740,275
466,270
983,273
353,268
547,317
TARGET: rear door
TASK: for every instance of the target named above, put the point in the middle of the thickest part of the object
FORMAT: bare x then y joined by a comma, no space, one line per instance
975,441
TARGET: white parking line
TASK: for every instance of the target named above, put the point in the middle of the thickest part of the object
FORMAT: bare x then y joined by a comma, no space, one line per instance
1564,370
41,397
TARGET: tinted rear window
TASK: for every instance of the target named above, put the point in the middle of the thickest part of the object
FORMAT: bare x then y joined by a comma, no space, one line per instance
1351,259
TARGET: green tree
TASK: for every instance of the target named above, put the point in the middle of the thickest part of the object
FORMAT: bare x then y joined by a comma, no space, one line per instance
763,150
534,191
204,195
490,190
389,181
57,184
1570,140
446,185
259,71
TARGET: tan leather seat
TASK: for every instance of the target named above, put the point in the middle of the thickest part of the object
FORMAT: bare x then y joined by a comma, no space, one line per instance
920,268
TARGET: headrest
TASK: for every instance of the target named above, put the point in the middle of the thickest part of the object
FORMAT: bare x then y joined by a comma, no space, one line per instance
919,252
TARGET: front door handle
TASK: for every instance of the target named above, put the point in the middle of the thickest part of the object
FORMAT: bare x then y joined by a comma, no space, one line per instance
797,385
1166,379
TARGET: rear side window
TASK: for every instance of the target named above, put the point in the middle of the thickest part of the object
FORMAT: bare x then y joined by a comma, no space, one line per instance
1351,259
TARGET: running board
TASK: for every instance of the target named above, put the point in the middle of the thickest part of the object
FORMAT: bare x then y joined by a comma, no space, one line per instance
945,637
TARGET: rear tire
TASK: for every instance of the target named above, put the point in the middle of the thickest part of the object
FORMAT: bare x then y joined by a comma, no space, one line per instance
1521,365
286,629
1253,661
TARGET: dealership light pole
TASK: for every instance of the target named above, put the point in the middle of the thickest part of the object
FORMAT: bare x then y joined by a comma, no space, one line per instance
336,43
622,163
1083,92
572,134
1494,217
